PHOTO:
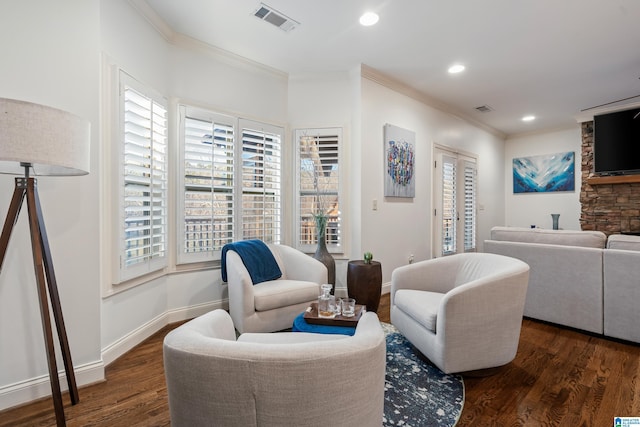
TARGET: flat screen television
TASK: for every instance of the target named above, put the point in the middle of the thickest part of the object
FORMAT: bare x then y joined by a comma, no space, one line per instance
616,143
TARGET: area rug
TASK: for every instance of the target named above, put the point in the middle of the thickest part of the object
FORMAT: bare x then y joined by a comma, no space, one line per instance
416,392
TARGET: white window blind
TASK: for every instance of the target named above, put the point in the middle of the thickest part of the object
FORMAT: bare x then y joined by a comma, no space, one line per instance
143,200
208,199
449,212
318,161
230,181
261,181
470,173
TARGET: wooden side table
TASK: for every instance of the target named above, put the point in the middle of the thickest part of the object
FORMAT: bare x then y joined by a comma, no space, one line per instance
364,283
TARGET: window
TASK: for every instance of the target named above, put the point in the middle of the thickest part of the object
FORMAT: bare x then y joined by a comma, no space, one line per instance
143,180
318,186
455,192
261,181
230,181
470,184
208,177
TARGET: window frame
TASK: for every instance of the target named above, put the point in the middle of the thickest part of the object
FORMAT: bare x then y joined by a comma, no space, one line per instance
121,272
334,248
240,126
186,111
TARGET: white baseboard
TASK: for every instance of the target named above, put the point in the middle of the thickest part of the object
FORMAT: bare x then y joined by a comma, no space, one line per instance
386,288
192,311
36,388
135,337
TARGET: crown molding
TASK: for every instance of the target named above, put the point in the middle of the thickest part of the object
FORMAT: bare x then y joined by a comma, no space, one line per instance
376,76
181,40
159,24
588,115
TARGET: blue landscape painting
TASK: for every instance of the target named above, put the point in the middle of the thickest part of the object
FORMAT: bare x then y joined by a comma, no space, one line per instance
539,174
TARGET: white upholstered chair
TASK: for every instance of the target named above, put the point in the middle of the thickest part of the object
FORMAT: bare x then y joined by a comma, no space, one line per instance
274,379
272,305
464,312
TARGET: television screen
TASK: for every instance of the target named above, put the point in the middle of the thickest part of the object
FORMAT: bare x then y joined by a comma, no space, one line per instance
616,137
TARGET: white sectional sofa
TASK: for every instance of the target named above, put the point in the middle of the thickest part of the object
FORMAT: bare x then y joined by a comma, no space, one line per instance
622,287
578,279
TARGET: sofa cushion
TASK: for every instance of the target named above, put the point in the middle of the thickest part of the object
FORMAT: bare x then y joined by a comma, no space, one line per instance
282,293
422,306
624,241
585,239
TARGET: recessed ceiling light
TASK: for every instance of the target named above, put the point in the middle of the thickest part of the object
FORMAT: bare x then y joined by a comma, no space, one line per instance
457,68
528,118
369,19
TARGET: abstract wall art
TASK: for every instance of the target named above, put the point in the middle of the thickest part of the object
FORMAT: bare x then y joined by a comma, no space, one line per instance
399,157
546,173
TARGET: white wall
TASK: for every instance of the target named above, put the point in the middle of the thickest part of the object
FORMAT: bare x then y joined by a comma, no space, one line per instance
183,71
53,57
401,226
526,209
50,55
321,101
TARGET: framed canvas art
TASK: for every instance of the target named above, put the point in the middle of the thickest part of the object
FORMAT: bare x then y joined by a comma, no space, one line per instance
545,173
399,158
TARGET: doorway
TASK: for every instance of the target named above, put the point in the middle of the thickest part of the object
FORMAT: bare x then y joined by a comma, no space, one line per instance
455,207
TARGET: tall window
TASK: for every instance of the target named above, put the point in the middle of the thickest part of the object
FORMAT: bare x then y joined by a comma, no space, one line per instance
318,186
470,208
455,210
143,179
231,183
261,181
208,198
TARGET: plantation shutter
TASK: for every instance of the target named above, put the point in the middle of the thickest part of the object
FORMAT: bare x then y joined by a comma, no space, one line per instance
318,186
261,181
470,173
143,201
208,200
449,211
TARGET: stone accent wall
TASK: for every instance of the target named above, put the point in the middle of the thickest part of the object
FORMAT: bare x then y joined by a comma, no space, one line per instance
610,208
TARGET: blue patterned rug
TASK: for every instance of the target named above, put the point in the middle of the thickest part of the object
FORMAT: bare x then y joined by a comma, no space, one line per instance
418,394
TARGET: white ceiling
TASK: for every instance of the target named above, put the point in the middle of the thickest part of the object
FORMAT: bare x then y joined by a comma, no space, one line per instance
547,58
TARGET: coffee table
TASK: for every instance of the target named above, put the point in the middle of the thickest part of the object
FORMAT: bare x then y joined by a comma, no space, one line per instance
308,321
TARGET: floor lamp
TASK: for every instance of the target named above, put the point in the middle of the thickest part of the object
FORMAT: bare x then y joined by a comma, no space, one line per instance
40,140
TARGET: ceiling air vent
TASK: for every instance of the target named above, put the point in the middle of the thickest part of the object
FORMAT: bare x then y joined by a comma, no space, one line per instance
484,108
272,16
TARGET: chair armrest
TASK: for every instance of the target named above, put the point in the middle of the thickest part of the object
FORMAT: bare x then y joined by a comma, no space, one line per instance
434,275
214,324
240,287
465,311
300,266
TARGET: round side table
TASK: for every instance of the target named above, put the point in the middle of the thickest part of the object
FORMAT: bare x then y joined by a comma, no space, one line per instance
364,283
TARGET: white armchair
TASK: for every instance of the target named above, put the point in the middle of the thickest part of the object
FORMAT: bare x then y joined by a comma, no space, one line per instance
271,306
274,379
464,312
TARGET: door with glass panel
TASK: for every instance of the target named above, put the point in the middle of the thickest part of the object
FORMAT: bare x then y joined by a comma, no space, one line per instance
454,204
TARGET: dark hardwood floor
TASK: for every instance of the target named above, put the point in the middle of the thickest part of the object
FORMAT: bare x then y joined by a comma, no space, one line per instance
560,377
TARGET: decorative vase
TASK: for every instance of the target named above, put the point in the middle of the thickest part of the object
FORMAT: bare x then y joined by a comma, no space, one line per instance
555,218
322,253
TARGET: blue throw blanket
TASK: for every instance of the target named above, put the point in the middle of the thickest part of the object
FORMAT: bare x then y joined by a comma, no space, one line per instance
256,257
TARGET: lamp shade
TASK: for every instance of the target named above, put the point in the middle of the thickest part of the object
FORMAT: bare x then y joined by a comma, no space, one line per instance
52,141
